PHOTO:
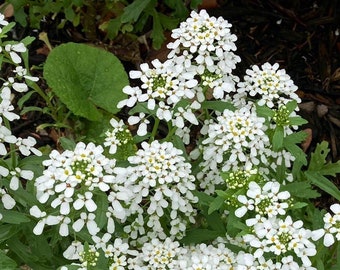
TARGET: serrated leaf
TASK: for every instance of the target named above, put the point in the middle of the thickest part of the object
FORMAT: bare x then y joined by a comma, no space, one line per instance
84,78
167,22
323,183
301,190
296,137
330,169
133,11
318,157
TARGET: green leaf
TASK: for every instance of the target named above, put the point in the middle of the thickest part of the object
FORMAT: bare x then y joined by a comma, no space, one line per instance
216,204
102,205
7,231
297,152
133,11
217,105
196,236
318,161
318,157
157,31
13,217
278,138
298,205
264,111
24,98
297,121
112,28
6,263
203,198
67,144
167,22
215,222
291,106
323,183
301,190
195,3
84,78
295,137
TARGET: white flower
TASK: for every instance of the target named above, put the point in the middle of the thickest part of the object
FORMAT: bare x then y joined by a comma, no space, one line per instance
85,200
2,20
7,201
272,84
13,49
142,128
5,136
100,242
63,202
160,175
18,173
26,146
63,229
73,251
87,219
6,106
236,141
135,94
119,135
22,72
44,219
331,230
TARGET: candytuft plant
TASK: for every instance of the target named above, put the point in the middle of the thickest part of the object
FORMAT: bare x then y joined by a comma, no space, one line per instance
206,172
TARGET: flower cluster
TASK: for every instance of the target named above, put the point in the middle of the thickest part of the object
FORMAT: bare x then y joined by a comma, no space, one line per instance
198,68
281,237
206,46
162,183
76,181
266,200
271,85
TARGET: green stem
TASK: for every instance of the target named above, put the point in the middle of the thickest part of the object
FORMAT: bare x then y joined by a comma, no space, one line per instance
12,151
171,132
154,130
49,103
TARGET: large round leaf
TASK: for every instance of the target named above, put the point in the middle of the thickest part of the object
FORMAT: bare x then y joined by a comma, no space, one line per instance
86,78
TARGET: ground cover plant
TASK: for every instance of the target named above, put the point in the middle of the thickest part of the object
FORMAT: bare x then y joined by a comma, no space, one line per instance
206,172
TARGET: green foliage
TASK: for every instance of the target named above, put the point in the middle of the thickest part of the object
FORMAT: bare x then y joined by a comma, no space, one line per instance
319,168
131,17
85,79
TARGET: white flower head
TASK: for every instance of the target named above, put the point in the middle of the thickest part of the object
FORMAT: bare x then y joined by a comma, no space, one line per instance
13,49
